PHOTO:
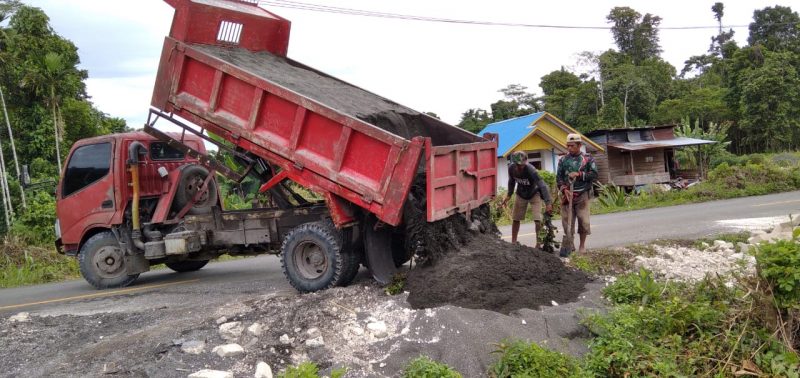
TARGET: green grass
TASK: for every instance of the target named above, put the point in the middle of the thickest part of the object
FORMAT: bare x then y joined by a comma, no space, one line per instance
678,329
22,265
523,359
424,367
771,175
604,261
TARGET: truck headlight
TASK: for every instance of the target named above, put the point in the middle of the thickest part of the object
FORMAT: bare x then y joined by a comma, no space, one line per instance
58,229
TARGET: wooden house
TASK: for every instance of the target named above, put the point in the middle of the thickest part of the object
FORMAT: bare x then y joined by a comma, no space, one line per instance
639,156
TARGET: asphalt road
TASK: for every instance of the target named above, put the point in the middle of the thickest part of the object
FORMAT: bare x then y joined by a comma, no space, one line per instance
263,274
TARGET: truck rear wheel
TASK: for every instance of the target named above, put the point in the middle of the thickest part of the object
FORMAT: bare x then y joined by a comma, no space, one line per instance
186,266
311,257
102,262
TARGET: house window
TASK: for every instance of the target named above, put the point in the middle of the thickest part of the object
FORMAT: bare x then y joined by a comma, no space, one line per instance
535,158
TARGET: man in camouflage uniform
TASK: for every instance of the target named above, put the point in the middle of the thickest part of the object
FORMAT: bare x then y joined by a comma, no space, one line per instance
581,169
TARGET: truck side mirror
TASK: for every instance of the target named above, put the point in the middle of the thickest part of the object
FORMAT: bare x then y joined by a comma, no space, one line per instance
26,177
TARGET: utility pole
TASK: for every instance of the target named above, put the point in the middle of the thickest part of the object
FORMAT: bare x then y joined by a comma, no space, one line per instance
13,150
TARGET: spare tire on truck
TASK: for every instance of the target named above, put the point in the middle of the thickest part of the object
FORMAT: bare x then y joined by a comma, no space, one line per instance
312,257
192,178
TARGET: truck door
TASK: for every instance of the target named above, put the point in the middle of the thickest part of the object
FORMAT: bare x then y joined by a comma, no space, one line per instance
86,192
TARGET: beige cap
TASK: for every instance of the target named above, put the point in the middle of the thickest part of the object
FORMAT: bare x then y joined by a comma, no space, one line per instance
574,138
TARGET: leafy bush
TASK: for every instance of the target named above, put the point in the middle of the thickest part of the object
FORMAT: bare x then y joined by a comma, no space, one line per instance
424,367
612,196
639,288
35,225
521,359
779,265
677,329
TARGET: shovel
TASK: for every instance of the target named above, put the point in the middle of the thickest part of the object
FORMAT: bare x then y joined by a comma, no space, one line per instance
568,242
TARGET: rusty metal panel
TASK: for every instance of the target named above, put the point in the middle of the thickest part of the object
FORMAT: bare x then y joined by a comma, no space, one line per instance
460,177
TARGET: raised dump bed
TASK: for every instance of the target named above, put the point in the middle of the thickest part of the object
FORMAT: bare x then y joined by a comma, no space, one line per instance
224,68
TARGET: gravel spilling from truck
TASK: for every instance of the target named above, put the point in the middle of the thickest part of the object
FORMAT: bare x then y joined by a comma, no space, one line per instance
465,263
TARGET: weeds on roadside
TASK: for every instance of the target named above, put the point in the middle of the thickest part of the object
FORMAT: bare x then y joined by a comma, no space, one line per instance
521,359
22,264
604,261
678,329
397,285
424,367
308,370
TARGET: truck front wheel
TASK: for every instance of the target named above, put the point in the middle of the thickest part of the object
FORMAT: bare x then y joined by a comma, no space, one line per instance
311,257
102,262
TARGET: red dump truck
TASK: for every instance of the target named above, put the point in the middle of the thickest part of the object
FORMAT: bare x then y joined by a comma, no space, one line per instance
377,165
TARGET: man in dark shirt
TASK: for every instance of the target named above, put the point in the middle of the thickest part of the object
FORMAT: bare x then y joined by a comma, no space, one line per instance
579,169
530,189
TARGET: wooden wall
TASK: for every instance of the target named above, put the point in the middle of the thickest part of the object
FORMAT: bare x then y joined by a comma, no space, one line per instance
619,162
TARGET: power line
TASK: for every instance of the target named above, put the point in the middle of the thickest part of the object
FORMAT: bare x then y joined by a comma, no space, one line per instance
366,13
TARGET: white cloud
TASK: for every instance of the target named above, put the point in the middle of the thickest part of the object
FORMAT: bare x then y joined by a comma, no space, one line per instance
444,68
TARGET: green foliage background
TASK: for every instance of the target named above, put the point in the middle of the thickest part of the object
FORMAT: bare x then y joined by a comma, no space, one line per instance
752,90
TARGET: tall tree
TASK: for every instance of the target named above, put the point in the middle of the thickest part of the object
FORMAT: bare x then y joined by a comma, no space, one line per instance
635,35
776,28
473,120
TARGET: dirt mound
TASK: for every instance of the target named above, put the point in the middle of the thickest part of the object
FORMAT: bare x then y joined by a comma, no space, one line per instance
489,273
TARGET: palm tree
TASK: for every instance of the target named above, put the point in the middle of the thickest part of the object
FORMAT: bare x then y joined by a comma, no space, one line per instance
54,69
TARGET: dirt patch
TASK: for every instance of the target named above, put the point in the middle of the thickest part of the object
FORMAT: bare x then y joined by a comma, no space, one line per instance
488,273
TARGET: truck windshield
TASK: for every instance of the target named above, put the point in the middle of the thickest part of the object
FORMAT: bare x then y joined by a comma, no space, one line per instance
88,164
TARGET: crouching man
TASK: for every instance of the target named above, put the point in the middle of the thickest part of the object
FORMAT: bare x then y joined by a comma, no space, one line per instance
530,188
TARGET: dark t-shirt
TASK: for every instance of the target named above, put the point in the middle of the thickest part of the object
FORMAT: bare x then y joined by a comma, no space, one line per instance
527,183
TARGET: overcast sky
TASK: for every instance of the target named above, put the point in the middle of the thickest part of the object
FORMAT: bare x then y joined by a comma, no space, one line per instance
437,67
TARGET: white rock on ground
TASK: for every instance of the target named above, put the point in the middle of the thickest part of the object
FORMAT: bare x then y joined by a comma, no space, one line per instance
689,264
263,370
228,350
20,318
231,331
285,339
378,329
312,332
221,320
193,346
208,373
358,331
255,329
315,343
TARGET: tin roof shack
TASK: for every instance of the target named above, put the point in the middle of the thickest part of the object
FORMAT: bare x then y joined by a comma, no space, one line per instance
639,156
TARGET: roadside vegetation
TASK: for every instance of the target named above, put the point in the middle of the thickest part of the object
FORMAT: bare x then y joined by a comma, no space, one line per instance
731,177
716,327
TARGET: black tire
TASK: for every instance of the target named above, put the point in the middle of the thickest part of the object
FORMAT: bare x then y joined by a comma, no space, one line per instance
192,177
102,262
311,257
186,266
352,255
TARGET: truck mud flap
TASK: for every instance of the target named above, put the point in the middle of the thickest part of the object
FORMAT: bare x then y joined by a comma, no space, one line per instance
378,251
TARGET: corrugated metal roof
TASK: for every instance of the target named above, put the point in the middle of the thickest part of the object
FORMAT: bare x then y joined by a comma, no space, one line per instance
511,131
677,142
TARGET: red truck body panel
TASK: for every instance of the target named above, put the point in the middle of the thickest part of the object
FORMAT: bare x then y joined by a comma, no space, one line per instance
324,133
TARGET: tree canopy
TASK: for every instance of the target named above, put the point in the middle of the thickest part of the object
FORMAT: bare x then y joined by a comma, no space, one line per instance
753,91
